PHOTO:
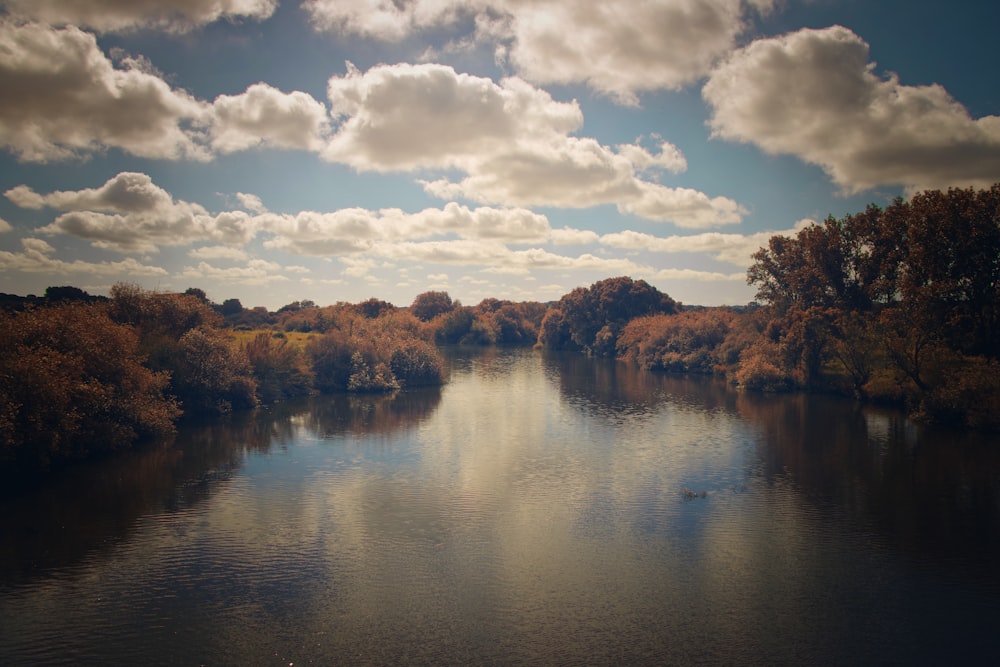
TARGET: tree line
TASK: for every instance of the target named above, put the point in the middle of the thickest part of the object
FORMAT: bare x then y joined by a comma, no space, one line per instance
898,305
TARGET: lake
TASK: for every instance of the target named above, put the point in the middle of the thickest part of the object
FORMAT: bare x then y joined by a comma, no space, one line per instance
537,509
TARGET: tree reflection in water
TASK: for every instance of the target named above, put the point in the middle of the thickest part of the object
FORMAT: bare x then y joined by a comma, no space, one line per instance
92,507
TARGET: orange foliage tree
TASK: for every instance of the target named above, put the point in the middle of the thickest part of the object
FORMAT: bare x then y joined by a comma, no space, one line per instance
73,384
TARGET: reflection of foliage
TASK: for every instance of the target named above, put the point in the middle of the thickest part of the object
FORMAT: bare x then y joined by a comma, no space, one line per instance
100,504
72,384
336,414
612,389
934,492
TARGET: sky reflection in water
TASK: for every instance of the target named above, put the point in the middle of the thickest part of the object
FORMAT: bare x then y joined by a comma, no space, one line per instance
537,509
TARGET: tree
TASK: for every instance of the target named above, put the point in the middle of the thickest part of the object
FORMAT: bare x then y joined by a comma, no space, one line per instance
906,299
211,376
197,293
591,318
279,369
429,305
373,307
73,385
231,307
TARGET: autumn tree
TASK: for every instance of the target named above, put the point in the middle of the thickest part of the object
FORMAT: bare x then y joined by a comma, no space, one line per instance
373,307
73,385
906,296
179,334
590,319
428,305
279,369
687,342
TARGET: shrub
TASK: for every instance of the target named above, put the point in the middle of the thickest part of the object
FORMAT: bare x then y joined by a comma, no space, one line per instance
279,369
72,385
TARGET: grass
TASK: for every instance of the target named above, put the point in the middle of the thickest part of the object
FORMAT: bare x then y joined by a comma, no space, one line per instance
297,338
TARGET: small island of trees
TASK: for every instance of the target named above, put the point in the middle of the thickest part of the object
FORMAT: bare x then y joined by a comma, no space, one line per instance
899,305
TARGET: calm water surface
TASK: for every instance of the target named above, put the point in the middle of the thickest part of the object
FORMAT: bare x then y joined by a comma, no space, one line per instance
535,510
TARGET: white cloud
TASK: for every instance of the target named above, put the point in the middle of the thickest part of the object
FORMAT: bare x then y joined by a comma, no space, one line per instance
64,98
251,202
731,248
265,116
670,157
128,192
621,48
129,213
382,19
5,226
814,94
255,272
569,236
401,117
497,257
683,206
617,47
36,257
511,140
698,276
120,15
357,230
219,252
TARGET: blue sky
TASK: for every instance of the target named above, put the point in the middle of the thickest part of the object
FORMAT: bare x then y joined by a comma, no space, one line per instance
280,150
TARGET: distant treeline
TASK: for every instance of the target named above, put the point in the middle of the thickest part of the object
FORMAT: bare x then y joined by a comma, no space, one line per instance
898,305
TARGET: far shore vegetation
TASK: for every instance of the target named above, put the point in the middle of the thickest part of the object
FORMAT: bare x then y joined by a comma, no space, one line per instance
897,305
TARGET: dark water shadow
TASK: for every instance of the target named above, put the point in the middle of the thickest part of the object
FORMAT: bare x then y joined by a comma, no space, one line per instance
87,510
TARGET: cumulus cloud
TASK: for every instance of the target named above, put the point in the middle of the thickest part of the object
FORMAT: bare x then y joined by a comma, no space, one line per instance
733,249
683,206
63,98
36,256
621,48
814,94
5,226
617,47
219,252
417,116
121,15
498,257
383,19
512,142
251,202
356,230
254,272
265,116
131,214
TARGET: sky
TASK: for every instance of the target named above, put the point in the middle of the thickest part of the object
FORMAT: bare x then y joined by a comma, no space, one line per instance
336,150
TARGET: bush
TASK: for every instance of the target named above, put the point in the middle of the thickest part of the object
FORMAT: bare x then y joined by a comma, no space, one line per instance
72,385
415,363
211,376
759,371
279,369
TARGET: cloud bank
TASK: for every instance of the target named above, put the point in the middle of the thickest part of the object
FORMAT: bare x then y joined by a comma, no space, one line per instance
814,94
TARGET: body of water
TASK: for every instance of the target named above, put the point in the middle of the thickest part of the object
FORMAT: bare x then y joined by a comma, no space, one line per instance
537,509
